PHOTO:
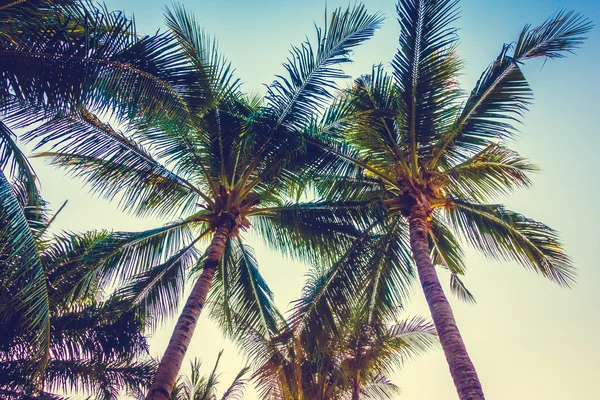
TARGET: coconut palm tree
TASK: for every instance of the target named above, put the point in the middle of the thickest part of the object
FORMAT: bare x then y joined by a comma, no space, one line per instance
199,387
436,161
298,362
56,57
94,345
225,164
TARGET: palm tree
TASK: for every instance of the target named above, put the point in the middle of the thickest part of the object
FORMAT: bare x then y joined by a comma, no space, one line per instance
56,57
298,362
225,161
94,346
433,160
199,387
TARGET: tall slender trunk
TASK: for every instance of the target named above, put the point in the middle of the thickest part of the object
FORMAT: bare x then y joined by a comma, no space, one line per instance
461,367
166,374
356,386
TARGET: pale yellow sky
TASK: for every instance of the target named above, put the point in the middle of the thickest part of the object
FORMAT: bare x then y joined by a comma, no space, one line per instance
528,338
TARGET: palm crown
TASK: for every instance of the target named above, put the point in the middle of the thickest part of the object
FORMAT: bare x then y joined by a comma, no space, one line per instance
308,362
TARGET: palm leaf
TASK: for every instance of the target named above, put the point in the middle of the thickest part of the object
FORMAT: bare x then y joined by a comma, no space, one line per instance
312,70
503,234
502,93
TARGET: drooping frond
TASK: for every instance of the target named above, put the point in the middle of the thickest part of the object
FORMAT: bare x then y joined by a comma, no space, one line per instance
21,268
506,235
156,293
114,164
240,300
445,248
459,289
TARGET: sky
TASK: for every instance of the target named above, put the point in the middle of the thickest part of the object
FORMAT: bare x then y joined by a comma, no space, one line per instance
528,338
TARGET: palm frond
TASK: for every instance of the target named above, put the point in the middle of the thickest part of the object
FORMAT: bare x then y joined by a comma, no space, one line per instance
316,232
241,300
425,68
459,289
155,294
114,164
93,58
381,389
445,248
21,267
215,75
502,94
313,69
495,170
506,235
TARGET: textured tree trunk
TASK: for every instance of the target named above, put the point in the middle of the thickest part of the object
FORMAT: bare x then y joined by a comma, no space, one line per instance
461,368
166,374
356,386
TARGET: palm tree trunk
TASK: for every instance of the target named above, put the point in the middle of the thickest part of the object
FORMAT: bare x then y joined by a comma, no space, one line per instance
166,374
461,367
356,386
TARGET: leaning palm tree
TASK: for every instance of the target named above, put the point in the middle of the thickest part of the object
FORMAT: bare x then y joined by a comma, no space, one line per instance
199,387
225,163
435,161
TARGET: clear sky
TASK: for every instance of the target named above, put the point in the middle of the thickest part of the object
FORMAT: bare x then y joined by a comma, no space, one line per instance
528,338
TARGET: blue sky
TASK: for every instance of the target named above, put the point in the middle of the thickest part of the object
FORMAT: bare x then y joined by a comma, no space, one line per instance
528,338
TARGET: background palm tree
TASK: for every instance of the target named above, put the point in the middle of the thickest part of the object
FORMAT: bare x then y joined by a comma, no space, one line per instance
199,387
223,162
305,361
57,57
94,346
431,160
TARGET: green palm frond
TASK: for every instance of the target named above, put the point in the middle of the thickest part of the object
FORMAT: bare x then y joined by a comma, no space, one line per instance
414,336
22,268
314,231
459,289
93,58
445,248
155,294
235,391
215,75
502,93
312,70
114,164
387,279
506,235
425,68
240,300
14,162
495,170
103,380
119,256
381,389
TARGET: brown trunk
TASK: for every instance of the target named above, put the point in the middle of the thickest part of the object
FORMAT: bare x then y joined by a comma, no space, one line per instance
461,368
166,374
356,386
